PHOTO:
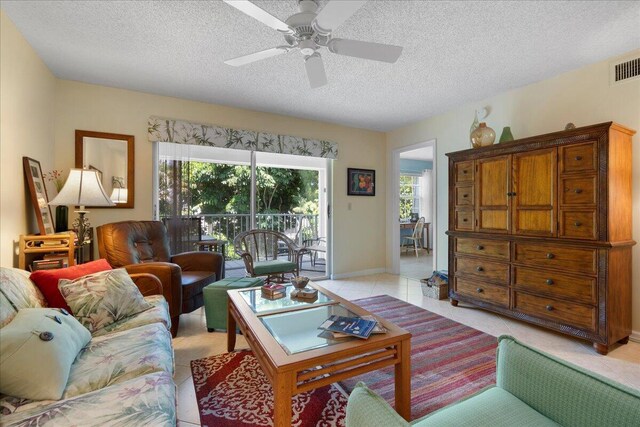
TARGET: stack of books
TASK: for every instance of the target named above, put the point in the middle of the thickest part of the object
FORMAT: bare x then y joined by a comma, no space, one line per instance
341,327
273,291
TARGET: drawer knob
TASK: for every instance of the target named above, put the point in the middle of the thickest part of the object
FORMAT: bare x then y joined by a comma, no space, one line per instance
479,290
464,219
549,307
578,158
577,223
549,282
465,195
577,190
550,256
479,268
464,171
480,247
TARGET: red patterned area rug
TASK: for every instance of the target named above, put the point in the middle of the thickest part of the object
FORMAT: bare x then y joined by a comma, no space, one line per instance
232,391
449,361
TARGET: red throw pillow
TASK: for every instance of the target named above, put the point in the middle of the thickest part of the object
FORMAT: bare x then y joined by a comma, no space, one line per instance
47,280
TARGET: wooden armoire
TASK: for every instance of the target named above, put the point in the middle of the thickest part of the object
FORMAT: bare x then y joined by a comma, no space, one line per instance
540,230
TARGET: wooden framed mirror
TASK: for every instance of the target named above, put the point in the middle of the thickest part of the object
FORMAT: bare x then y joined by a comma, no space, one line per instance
111,154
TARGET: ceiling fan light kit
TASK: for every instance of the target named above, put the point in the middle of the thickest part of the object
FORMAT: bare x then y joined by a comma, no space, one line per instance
309,32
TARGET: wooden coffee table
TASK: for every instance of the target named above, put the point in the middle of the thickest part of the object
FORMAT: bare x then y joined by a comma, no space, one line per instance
284,338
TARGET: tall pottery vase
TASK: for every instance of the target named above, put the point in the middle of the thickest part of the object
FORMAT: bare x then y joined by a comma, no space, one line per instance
62,218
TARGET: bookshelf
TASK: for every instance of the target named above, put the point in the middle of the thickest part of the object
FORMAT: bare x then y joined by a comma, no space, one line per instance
36,247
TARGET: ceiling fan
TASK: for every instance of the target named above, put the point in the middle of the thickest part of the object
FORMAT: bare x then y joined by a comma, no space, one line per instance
309,32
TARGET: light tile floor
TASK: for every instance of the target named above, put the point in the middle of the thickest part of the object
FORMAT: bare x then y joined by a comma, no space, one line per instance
193,341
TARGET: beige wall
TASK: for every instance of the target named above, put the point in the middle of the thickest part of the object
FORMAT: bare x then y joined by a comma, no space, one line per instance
26,129
358,233
582,96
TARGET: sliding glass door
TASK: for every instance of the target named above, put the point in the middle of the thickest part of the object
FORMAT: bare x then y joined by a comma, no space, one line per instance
209,193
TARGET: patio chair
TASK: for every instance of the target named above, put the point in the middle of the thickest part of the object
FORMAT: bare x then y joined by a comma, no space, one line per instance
259,249
416,236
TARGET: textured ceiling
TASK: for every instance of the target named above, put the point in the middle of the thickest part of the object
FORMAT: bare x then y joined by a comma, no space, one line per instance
454,52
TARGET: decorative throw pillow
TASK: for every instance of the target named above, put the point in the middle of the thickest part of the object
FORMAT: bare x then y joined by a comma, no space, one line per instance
36,352
100,299
47,280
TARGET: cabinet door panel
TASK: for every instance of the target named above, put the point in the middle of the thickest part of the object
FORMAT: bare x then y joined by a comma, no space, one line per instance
534,201
492,186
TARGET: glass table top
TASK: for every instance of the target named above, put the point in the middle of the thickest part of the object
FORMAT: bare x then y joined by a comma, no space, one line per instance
259,304
297,331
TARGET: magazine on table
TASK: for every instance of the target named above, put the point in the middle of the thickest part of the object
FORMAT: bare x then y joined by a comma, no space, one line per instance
354,326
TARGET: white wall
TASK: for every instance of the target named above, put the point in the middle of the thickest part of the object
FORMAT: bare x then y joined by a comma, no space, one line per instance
582,96
26,129
359,239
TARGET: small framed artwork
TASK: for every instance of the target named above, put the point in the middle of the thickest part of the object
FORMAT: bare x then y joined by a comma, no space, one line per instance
39,198
361,182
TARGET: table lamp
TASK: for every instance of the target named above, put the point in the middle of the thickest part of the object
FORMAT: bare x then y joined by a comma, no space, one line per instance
82,188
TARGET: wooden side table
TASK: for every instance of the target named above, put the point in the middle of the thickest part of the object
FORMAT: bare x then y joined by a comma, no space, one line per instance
62,244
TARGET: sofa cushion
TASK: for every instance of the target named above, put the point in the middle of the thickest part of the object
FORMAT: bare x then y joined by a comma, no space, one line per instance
36,352
103,298
47,280
18,291
562,391
493,407
262,268
158,313
118,357
149,400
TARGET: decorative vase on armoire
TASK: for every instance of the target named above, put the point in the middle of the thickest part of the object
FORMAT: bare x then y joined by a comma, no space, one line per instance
62,218
506,135
483,136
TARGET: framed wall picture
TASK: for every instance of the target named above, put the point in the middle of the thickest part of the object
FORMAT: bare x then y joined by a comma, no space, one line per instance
361,182
39,198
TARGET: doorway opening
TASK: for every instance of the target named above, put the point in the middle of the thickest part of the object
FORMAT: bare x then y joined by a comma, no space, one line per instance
412,219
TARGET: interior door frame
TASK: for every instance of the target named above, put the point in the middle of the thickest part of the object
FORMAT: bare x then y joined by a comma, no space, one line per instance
393,209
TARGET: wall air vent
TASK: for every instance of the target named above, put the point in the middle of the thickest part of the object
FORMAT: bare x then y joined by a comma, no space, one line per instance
624,71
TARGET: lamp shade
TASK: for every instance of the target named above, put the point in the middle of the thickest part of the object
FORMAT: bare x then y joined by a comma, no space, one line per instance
119,195
82,188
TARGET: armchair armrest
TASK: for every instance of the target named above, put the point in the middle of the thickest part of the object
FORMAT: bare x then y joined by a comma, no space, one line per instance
147,283
170,276
248,262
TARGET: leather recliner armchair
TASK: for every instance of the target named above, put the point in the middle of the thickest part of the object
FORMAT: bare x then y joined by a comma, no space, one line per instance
143,247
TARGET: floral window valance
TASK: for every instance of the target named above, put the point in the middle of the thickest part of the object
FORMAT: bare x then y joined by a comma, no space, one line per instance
183,132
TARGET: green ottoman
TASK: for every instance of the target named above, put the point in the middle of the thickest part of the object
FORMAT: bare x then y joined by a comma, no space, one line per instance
216,299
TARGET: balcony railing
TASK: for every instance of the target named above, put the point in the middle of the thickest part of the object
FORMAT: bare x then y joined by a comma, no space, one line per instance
298,227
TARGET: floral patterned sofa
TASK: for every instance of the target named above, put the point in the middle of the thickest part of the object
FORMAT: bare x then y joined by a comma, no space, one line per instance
123,377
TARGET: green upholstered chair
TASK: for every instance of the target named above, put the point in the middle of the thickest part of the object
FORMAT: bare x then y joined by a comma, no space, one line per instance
261,251
216,299
532,388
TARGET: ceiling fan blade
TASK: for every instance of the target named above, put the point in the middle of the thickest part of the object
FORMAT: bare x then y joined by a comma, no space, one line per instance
257,56
315,70
366,50
261,15
335,13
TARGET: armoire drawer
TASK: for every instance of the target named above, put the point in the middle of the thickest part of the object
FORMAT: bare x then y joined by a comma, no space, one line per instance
578,158
464,195
553,284
464,219
578,224
578,315
578,190
566,258
496,295
482,247
464,171
483,269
